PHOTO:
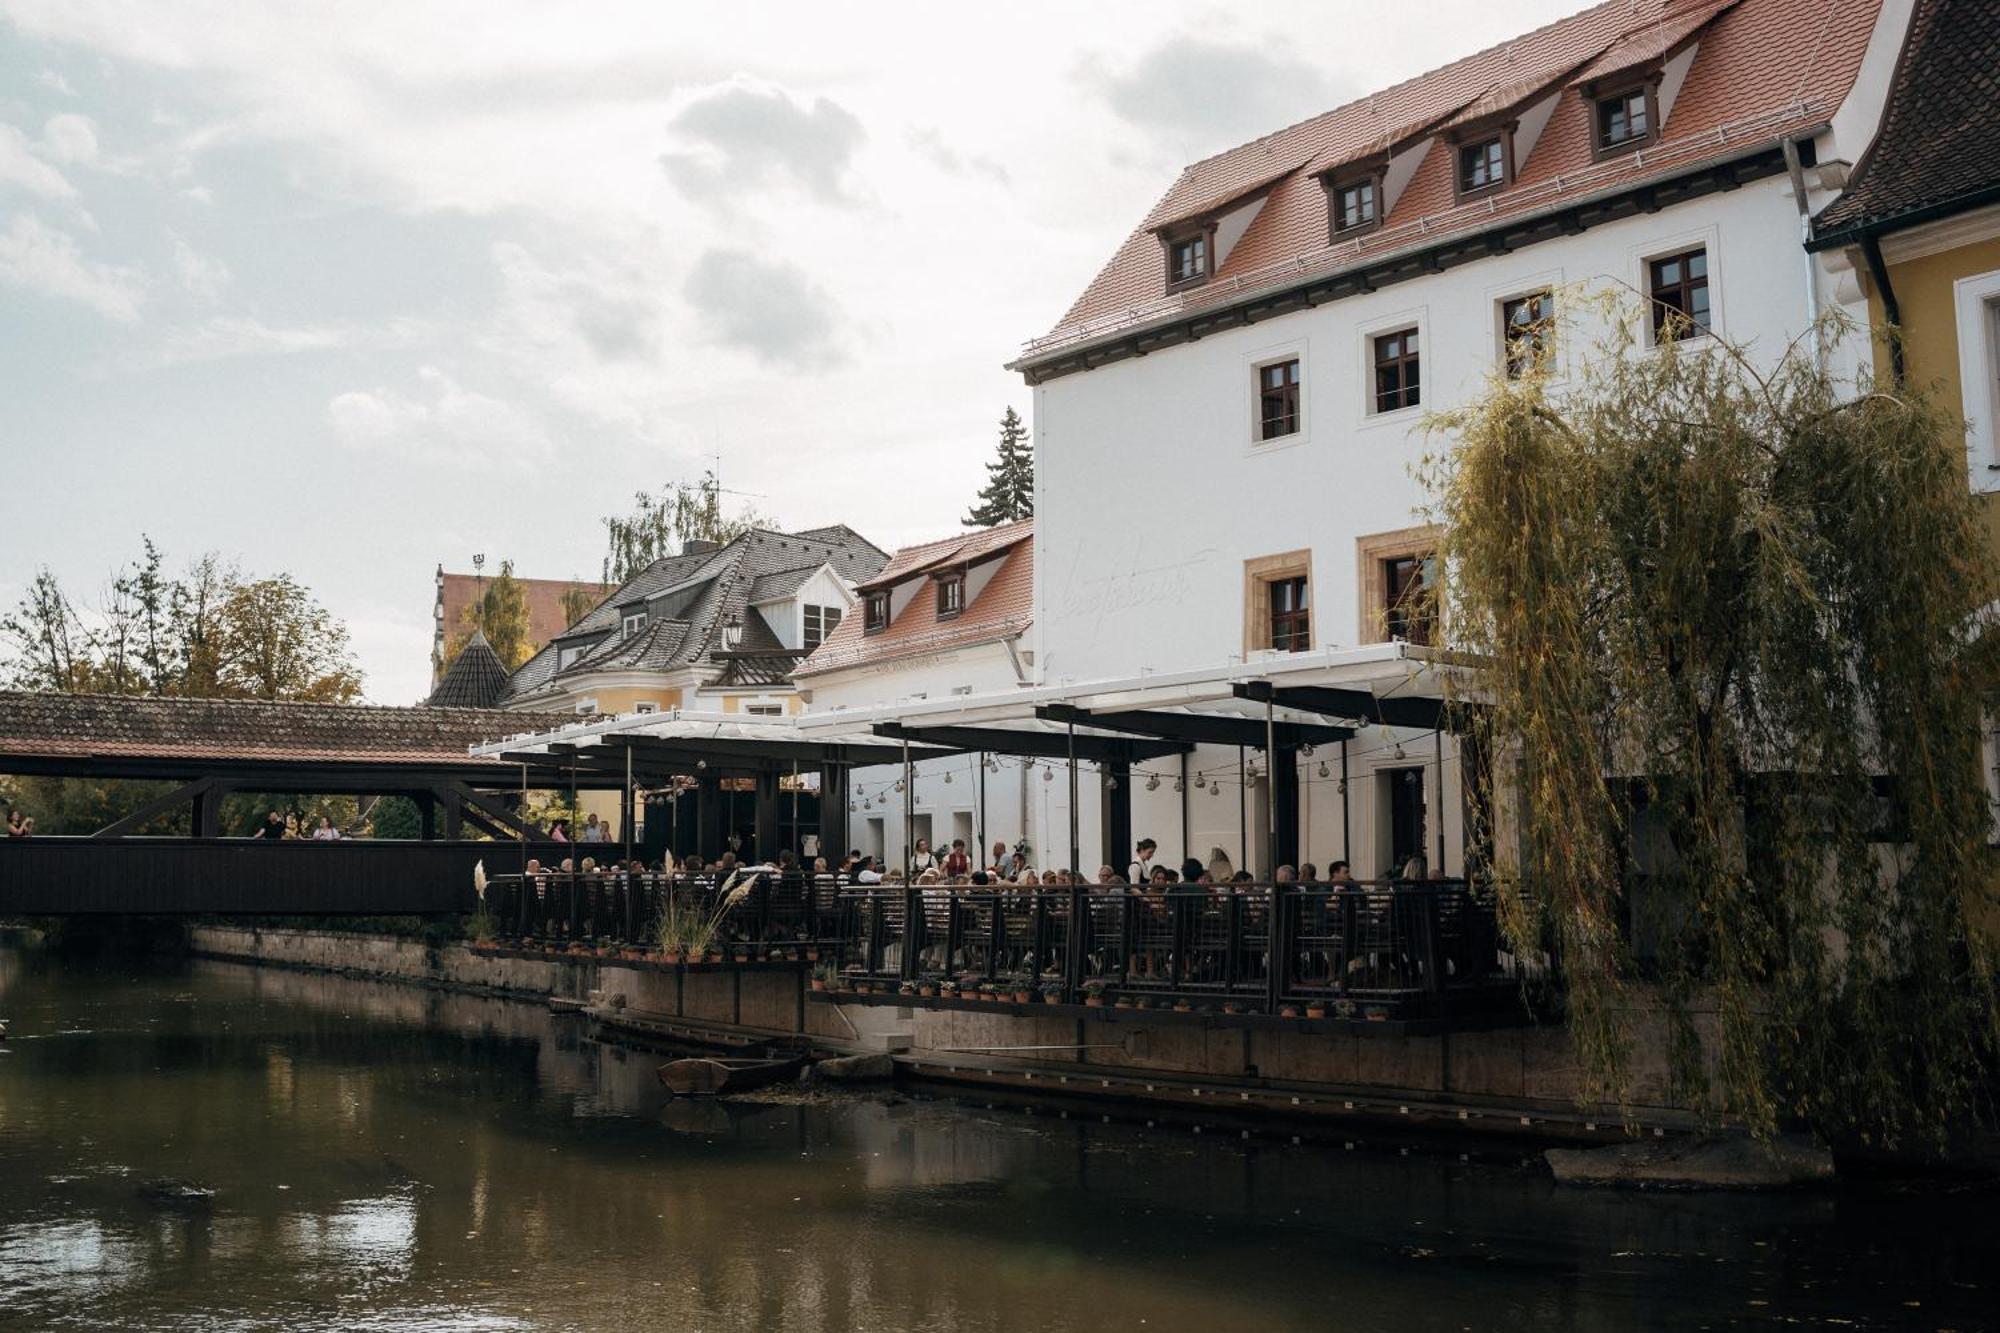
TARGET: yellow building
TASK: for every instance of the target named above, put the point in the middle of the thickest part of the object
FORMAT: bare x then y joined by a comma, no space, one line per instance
1919,224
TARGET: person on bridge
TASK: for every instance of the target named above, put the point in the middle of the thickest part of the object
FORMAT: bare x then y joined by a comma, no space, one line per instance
274,826
326,832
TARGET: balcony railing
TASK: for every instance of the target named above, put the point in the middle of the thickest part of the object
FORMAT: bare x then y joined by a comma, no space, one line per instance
1406,949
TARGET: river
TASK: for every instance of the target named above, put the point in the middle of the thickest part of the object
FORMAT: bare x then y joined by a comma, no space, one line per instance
385,1157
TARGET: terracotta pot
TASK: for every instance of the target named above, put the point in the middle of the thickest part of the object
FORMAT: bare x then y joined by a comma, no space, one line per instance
812,955
1094,1001
927,991
1315,1011
1024,997
1289,1011
1183,1008
818,984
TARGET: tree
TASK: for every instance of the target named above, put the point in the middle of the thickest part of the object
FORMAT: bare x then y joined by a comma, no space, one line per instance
501,612
660,525
396,817
276,642
50,648
1724,612
1009,493
577,602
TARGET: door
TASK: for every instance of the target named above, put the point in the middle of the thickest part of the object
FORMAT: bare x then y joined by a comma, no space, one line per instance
1406,816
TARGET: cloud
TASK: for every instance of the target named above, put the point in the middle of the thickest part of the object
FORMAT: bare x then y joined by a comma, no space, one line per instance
606,305
201,276
747,135
19,166
227,337
932,146
1204,96
771,310
70,138
42,259
443,424
55,82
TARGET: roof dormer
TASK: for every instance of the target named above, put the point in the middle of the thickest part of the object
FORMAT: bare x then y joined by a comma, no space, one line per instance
1198,227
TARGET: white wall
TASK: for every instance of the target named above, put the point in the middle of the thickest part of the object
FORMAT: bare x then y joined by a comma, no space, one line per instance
1151,495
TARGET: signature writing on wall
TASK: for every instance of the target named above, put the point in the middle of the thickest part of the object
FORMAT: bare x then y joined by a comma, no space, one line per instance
1092,593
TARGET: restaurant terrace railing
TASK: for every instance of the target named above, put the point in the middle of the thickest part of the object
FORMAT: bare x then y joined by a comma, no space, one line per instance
1400,948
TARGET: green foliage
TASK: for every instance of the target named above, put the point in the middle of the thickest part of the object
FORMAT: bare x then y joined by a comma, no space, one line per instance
577,602
278,643
396,817
1009,492
660,524
1750,598
502,614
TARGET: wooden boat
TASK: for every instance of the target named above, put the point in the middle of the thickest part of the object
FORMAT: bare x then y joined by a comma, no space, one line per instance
718,1076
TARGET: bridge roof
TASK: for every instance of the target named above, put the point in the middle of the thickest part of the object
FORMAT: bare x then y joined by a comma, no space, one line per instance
100,733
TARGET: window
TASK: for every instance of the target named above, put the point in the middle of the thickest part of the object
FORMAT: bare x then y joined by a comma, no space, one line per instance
1355,206
633,623
950,594
764,710
1276,603
876,613
1527,325
1291,615
645,706
1188,259
1679,286
1624,120
820,622
1397,378
1278,400
567,656
1409,597
1482,165
586,707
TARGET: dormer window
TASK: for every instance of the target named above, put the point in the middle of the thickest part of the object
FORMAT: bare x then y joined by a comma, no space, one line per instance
1482,165
633,623
1625,120
1357,205
950,594
1190,258
875,612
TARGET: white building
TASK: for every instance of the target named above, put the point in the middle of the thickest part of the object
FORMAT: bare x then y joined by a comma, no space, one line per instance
1251,371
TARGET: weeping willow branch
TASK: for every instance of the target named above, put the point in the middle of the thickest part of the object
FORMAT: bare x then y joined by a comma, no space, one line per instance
1740,633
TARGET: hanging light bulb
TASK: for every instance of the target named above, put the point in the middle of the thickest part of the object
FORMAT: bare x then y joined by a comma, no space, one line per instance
1111,784
701,765
947,776
899,784
852,807
1048,775
1180,784
1306,750
1153,782
1323,772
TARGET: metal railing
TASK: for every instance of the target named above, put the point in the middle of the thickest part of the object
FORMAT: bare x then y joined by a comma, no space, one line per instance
1385,947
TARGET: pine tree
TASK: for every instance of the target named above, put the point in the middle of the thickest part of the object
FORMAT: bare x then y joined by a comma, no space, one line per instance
1009,493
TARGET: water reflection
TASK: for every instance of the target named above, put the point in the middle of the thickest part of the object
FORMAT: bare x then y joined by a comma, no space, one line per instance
392,1157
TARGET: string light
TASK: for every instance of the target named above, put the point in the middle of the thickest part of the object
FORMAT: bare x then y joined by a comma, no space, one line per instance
1323,771
1180,784
1153,782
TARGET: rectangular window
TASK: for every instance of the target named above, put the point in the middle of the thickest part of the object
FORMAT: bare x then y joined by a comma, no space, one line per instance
1397,372
950,594
1679,287
1409,597
1482,165
1528,325
1291,615
764,710
876,611
1278,400
820,622
645,707
1354,206
1187,260
634,622
1623,120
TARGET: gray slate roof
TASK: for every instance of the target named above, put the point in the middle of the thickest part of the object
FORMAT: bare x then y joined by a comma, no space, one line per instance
474,679
687,600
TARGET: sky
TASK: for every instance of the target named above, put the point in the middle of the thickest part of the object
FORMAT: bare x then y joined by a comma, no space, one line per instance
349,291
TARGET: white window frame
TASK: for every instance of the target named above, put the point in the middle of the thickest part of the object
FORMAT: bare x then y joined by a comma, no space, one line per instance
1253,368
1708,239
586,707
646,706
1418,318
632,623
1976,300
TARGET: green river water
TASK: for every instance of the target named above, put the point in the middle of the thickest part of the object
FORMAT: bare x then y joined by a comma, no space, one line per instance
387,1157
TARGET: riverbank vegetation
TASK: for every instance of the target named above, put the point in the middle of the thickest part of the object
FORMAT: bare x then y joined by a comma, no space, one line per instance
1738,625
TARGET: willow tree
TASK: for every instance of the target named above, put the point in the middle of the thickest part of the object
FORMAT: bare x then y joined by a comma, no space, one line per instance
1736,624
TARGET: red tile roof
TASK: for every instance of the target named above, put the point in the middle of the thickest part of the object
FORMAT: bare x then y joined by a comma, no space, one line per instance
1765,68
1003,608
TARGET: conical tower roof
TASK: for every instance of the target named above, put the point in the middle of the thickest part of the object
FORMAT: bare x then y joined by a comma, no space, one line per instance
474,679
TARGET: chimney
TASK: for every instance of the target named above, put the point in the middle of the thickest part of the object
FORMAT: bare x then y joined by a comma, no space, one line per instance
699,546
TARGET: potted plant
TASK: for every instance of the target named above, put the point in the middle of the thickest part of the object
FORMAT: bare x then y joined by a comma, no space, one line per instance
823,977
1052,992
1232,1006
1023,993
1288,1011
1183,1006
948,990
1343,1008
907,988
1093,994
927,988
1122,1002
1316,1009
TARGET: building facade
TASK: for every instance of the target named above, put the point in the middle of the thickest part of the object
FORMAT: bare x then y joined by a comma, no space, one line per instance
457,595
1230,421
944,618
